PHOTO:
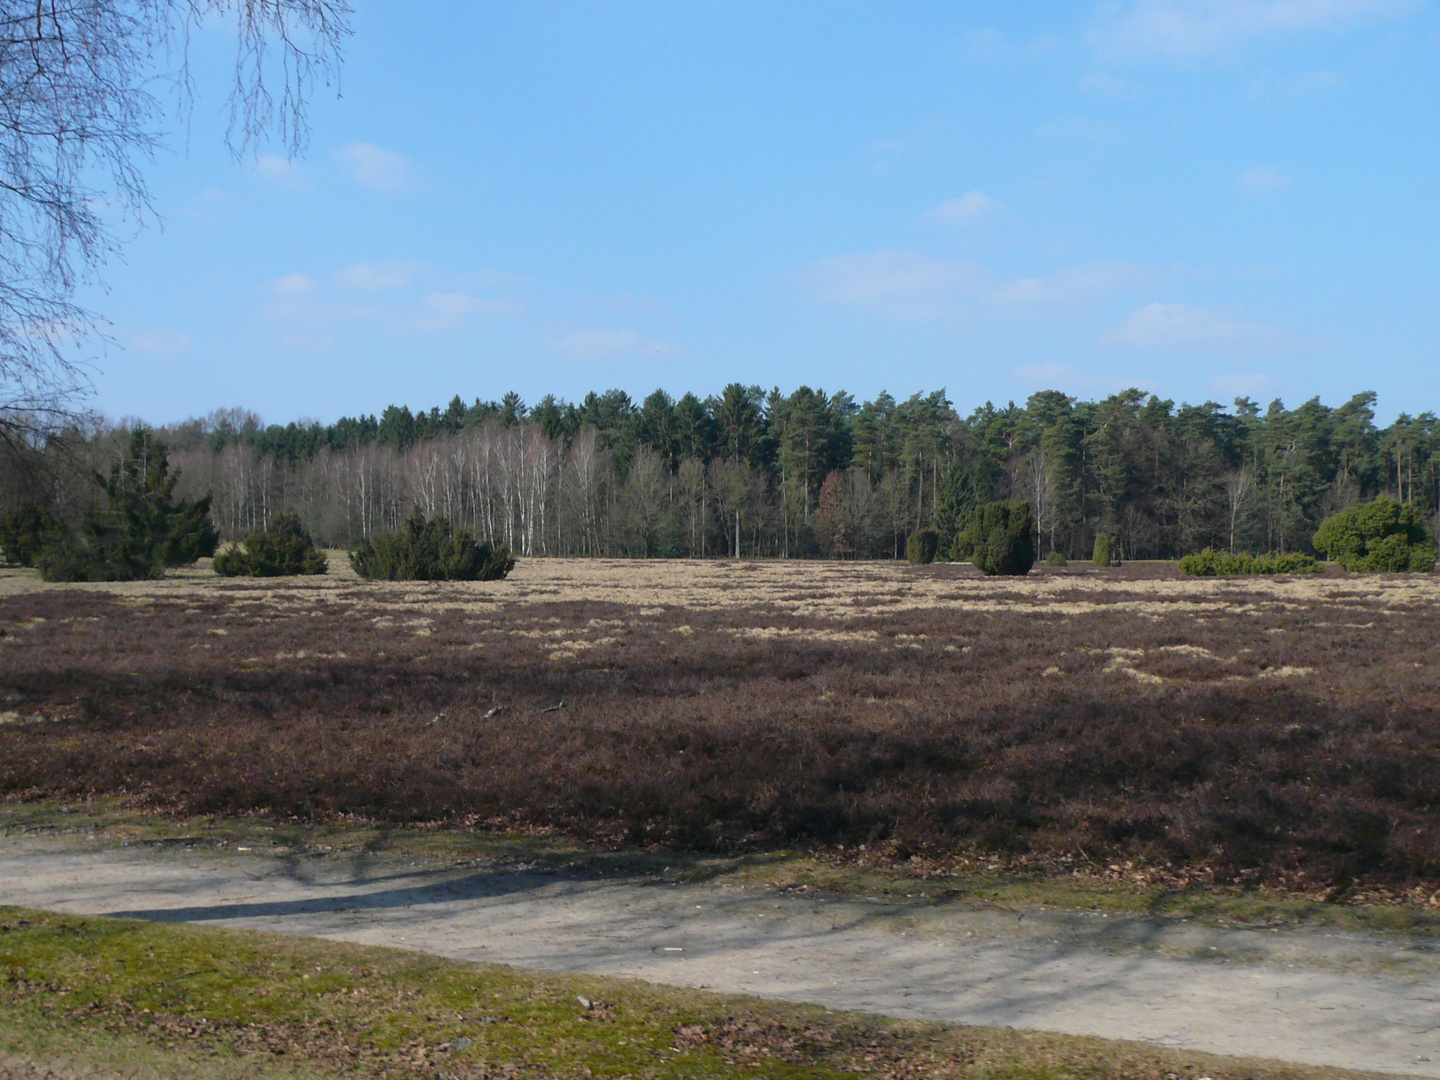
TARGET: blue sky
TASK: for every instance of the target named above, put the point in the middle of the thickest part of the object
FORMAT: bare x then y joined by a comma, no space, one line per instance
1202,198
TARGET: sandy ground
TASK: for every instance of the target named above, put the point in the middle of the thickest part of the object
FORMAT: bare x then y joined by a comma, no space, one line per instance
1311,997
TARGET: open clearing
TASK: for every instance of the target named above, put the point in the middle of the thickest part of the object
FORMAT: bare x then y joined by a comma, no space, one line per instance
1284,733
1233,746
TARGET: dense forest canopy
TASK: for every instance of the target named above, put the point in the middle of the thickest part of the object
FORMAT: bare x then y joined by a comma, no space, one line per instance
808,473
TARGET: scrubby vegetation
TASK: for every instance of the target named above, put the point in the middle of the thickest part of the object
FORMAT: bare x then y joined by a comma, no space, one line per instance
1105,553
923,546
1210,563
999,538
1056,558
1377,537
138,529
432,550
1291,740
283,549
26,531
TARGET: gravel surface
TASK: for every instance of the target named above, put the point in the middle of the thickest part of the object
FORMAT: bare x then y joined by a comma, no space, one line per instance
1325,998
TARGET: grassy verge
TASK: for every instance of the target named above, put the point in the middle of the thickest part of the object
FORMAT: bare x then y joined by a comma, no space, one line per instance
107,822
181,1000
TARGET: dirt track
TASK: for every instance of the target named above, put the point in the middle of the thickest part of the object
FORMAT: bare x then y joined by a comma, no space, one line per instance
1319,998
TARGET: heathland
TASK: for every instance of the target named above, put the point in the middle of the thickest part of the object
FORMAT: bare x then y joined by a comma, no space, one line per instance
1116,725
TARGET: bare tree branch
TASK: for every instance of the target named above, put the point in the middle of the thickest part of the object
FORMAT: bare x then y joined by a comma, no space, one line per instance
79,121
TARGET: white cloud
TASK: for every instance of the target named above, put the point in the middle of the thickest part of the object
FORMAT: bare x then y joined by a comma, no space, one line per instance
605,344
293,284
447,310
299,299
375,167
454,305
282,171
160,342
969,209
493,277
1264,179
1139,29
380,274
906,284
306,307
1223,331
1072,283
205,204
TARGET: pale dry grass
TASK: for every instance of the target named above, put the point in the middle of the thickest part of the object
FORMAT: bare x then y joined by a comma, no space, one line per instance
841,594
837,603
824,590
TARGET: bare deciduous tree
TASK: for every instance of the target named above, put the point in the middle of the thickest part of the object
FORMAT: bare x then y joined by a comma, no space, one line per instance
645,499
1238,487
79,118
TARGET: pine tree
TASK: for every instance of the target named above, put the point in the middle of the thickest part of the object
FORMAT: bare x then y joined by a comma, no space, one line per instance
432,550
140,529
26,531
1376,537
284,549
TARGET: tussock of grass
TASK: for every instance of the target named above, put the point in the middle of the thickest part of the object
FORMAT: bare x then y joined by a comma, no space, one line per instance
256,1004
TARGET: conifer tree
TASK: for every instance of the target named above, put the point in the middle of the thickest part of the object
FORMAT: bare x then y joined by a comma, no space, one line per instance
282,550
1378,536
999,538
139,529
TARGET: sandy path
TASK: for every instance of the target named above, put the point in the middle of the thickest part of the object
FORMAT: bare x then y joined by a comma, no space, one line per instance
1336,999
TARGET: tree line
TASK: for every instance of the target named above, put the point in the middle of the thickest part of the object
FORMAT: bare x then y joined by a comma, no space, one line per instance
749,473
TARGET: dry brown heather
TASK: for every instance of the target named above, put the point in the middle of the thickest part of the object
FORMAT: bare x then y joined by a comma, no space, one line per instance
1284,732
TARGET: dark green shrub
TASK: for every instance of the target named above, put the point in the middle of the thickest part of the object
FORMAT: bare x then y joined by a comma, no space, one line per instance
1056,558
1212,563
139,530
999,538
433,550
1208,563
1289,562
1377,537
282,550
923,546
1106,553
25,532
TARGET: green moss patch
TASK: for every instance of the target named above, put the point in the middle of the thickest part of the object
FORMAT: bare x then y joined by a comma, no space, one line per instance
182,1000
